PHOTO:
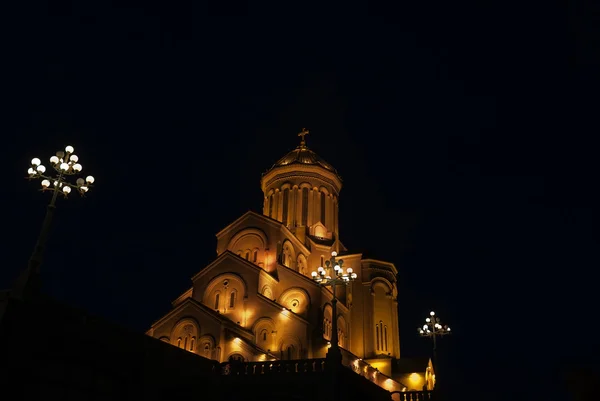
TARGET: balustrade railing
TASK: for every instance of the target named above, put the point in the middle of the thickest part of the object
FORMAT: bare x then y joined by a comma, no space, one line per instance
411,395
273,367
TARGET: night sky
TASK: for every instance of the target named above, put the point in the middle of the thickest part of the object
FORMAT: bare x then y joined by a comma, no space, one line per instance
468,131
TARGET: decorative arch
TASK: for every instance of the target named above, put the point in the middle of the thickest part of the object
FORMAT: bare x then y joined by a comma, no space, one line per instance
165,339
288,254
382,282
302,265
324,190
246,242
185,334
267,292
263,330
206,346
295,299
223,285
290,347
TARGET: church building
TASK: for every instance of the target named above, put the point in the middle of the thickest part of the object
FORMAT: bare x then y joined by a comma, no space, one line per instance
257,300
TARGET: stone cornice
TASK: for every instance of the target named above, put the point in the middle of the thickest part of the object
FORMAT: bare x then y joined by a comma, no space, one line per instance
299,171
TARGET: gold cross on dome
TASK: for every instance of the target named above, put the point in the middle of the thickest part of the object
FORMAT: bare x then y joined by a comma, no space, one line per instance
302,134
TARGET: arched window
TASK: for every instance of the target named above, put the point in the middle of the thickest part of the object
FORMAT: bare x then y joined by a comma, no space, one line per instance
193,342
179,342
323,196
248,255
217,301
232,299
289,352
377,330
385,338
304,206
322,261
255,256
185,343
271,198
207,350
264,335
286,197
236,357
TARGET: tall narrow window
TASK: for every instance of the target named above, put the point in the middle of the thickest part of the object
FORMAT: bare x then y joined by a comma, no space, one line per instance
271,198
289,352
217,301
232,300
381,333
255,257
192,345
377,330
179,343
247,255
286,197
304,206
322,261
385,337
185,343
265,335
206,350
323,196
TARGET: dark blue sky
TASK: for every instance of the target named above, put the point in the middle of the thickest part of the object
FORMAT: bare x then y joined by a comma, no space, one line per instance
469,131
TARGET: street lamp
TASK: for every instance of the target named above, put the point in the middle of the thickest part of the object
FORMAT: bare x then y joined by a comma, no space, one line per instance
65,164
433,328
324,276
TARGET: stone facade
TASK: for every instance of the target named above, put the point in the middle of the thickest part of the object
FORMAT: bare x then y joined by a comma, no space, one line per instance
256,301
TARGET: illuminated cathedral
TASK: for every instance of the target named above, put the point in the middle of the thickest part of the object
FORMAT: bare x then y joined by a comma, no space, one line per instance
257,301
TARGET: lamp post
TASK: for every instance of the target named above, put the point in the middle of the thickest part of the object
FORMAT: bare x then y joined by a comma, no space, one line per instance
325,277
65,164
433,328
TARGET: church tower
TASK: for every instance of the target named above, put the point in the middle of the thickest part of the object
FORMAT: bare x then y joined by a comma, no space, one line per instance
301,191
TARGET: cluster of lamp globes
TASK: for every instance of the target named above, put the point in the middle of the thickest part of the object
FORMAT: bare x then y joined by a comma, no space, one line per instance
433,325
321,276
64,163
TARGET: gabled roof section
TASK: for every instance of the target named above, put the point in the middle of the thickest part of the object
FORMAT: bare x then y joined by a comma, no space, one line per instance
227,255
249,214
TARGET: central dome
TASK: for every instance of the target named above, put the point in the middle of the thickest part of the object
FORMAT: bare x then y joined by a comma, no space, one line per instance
303,155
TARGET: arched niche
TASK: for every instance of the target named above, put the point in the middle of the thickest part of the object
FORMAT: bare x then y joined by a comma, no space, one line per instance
342,328
295,299
288,254
267,292
263,330
206,346
219,290
185,334
290,348
327,321
302,265
250,244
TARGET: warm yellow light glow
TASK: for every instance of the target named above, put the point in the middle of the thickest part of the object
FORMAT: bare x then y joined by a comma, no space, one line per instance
67,189
45,183
69,149
432,313
30,171
54,160
77,167
74,158
334,254
90,179
41,168
414,377
35,161
64,166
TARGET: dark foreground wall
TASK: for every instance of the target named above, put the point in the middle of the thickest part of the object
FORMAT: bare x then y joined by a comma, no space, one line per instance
50,351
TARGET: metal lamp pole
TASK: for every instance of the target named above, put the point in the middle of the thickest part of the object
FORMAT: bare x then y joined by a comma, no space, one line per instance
65,164
433,328
325,277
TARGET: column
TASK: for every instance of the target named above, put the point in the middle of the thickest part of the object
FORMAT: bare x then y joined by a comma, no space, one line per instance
311,206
